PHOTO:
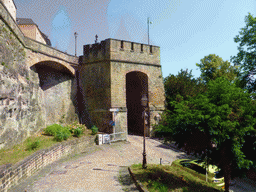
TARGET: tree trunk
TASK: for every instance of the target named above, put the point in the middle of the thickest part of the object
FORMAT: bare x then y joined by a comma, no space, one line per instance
226,163
227,175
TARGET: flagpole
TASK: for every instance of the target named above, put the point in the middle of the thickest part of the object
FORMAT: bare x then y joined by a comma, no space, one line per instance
148,30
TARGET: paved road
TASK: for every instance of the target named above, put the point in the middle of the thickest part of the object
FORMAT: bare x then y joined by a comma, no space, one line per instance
98,169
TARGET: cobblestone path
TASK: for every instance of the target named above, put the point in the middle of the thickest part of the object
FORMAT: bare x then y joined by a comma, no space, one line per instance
99,168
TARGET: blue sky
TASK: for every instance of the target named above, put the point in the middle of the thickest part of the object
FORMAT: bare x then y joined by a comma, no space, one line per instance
185,30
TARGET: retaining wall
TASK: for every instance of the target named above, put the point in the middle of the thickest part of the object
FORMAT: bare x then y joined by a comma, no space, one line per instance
12,175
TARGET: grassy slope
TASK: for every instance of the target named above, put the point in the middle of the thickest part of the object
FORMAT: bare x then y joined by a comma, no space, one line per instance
21,151
171,178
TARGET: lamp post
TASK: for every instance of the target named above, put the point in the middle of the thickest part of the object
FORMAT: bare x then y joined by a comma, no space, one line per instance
144,103
76,34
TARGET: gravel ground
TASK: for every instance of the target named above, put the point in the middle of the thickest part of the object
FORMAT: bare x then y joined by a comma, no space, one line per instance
104,168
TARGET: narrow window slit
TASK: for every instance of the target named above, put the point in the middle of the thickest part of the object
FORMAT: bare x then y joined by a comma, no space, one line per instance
122,44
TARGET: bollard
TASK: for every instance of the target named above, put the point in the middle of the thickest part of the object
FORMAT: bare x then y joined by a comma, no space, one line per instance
160,161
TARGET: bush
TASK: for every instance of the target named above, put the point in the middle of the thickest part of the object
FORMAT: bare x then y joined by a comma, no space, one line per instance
34,145
71,130
59,136
59,132
78,132
94,130
96,139
64,133
53,129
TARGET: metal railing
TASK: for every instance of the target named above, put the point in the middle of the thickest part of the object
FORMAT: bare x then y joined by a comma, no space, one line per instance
120,136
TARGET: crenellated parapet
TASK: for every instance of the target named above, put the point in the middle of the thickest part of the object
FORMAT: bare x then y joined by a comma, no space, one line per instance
97,51
119,50
114,76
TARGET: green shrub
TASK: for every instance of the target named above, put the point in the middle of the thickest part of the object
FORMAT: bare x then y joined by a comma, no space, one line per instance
59,136
94,130
33,145
71,130
66,135
96,139
59,132
53,129
78,132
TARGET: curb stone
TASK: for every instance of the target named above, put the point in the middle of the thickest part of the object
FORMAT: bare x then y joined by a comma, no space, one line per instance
139,185
126,180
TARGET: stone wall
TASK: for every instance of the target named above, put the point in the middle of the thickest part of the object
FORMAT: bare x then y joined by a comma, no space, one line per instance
105,65
13,174
95,83
20,96
58,94
155,88
30,98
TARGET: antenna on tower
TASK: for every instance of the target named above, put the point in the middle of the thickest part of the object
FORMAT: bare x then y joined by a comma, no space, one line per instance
96,38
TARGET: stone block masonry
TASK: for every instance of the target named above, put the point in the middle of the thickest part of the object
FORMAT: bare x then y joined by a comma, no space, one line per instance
40,85
11,175
37,84
103,69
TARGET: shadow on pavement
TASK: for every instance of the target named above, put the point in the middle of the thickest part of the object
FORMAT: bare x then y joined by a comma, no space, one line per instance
126,180
175,148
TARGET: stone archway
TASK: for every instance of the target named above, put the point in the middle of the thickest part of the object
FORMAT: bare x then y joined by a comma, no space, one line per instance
136,87
58,92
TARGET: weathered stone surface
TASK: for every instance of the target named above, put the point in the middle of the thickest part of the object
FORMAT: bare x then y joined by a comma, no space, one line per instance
103,70
31,96
40,85
16,91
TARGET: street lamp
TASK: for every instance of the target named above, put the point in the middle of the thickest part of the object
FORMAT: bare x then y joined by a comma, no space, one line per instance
76,34
144,103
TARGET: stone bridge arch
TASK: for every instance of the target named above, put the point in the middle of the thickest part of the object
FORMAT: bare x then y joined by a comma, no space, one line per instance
58,89
34,58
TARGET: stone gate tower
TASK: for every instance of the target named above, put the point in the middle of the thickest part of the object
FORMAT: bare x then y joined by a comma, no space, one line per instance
114,75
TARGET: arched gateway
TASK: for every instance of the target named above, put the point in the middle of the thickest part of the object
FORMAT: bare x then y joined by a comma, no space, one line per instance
136,88
113,77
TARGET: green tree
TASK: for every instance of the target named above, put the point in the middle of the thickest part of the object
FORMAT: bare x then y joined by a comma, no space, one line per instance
246,56
213,66
183,85
246,61
222,116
